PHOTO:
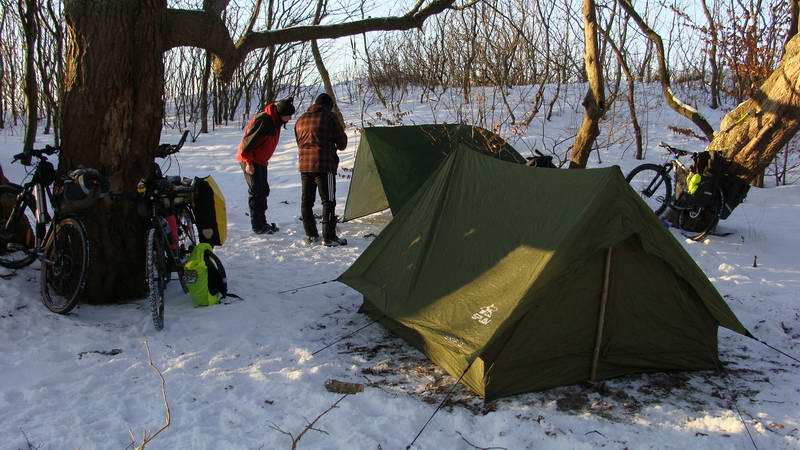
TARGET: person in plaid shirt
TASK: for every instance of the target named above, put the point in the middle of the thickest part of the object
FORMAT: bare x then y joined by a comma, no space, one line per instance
319,135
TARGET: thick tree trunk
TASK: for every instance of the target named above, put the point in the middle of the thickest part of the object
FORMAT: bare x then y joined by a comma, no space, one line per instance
594,101
753,133
112,121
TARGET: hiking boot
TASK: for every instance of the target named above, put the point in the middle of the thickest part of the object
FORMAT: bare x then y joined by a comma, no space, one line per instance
329,237
334,241
311,240
269,228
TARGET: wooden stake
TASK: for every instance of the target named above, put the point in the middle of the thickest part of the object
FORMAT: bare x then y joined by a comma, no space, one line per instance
602,317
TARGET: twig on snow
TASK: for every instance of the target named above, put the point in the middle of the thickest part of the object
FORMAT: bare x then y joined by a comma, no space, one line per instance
28,441
478,447
309,425
146,438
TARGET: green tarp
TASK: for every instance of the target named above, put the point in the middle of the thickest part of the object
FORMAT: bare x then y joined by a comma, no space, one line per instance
393,162
499,268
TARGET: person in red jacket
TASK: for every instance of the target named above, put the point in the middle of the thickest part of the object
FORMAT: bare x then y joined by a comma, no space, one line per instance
260,139
319,135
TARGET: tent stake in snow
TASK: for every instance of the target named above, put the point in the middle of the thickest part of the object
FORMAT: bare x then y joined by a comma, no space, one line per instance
601,319
446,397
292,291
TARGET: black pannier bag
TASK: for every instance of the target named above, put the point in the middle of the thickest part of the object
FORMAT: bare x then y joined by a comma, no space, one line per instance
80,190
541,160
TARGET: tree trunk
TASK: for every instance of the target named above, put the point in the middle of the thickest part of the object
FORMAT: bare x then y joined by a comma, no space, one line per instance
204,95
30,28
594,101
112,121
712,56
753,133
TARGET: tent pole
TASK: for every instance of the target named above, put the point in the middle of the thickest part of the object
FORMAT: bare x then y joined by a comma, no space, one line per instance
602,316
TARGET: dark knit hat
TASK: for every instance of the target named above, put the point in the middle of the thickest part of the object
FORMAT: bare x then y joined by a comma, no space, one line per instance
324,100
285,107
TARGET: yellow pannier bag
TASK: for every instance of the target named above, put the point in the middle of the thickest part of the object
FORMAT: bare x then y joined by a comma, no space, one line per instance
209,211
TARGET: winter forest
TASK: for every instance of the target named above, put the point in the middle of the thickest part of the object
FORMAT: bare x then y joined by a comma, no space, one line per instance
613,266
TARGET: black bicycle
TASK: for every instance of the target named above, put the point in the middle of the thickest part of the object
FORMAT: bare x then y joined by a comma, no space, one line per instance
698,207
29,232
171,232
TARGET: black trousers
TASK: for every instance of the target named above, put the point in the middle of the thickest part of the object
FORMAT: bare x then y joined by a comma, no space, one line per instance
257,191
325,182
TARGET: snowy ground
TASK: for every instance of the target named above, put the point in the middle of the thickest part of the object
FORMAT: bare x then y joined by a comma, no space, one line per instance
238,373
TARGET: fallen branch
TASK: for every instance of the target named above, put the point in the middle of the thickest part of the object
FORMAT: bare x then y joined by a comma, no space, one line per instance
309,425
167,420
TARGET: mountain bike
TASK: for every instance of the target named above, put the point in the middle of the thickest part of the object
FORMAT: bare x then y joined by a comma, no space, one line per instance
171,232
698,213
28,232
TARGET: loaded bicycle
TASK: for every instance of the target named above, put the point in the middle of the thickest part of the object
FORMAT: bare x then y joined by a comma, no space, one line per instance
30,231
170,233
697,196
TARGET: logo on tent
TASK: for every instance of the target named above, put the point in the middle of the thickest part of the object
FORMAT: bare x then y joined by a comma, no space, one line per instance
484,316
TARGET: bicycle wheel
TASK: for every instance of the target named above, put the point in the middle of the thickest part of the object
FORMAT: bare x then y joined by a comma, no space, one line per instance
17,239
699,221
187,239
156,272
652,183
65,266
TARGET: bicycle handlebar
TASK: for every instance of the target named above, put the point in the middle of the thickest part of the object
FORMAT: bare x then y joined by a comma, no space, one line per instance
675,150
25,157
165,150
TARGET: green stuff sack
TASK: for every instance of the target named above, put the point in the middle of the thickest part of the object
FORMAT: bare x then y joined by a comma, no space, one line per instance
693,182
209,211
199,279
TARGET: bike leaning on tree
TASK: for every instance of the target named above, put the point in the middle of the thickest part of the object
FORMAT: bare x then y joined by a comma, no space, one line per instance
697,196
171,232
37,224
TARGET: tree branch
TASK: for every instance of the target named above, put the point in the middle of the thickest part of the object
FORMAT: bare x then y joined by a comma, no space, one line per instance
663,73
205,29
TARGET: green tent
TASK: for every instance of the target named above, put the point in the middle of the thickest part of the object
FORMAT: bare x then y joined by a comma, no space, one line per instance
393,162
497,271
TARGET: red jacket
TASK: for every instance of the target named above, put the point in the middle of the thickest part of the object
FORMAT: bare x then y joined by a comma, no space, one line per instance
261,141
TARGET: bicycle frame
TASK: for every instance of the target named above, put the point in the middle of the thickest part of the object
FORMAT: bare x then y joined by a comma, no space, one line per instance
41,195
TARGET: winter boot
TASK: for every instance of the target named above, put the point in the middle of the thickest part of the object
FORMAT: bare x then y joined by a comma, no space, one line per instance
310,226
329,237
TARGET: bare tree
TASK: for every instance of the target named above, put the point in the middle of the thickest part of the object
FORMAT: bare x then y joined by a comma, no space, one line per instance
594,101
117,46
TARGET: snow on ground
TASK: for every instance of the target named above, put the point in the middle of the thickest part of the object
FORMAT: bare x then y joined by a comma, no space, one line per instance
243,374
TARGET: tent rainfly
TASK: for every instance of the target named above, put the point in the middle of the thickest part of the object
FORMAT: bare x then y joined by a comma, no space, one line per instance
522,279
393,162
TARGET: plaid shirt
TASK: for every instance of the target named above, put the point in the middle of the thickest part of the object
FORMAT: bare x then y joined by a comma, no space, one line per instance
319,135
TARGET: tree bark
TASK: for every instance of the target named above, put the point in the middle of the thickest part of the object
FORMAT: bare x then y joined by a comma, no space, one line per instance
30,28
752,134
112,121
594,101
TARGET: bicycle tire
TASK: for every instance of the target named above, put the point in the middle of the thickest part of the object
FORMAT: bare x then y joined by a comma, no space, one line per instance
17,259
187,239
65,266
155,271
643,177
